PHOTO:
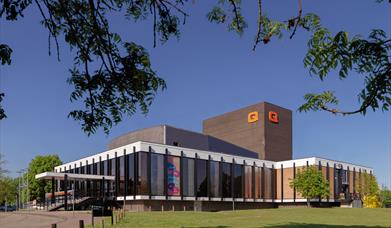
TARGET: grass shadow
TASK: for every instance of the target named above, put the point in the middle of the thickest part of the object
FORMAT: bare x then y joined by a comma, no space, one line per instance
220,226
294,225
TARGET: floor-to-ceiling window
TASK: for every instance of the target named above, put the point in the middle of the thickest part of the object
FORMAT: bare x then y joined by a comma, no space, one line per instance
105,167
188,177
257,182
89,183
202,182
268,183
97,182
157,174
77,183
112,173
214,175
238,183
227,180
121,170
130,170
142,179
83,183
248,182
173,176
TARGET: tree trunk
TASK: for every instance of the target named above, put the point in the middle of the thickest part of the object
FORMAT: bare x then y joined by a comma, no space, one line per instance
308,202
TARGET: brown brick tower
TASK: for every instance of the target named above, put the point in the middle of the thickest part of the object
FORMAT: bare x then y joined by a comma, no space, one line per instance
263,128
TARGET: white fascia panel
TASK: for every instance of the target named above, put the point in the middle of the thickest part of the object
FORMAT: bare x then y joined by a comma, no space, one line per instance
343,165
174,151
215,157
103,155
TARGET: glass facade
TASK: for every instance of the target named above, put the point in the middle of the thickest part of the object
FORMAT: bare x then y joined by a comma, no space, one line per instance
268,183
142,178
130,173
89,183
82,183
214,176
121,190
97,183
157,175
238,181
226,176
188,177
248,182
112,173
257,182
196,177
105,168
202,180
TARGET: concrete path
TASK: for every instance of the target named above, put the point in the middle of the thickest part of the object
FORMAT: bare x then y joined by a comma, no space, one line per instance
43,219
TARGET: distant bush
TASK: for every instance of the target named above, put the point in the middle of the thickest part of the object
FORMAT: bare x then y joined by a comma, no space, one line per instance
385,196
371,201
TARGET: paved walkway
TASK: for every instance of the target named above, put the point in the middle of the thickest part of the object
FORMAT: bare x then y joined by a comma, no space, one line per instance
43,219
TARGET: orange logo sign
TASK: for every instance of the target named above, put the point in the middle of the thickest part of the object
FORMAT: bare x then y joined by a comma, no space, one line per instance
252,117
273,117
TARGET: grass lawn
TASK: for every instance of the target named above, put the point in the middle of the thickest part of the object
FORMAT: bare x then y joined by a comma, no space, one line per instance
282,217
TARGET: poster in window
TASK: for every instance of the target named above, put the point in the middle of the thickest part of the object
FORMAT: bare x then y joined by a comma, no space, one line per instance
173,176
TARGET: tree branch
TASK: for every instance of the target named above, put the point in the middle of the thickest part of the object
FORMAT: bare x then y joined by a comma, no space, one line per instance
368,102
235,10
258,36
298,18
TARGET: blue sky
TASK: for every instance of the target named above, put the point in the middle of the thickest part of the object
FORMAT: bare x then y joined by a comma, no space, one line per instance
208,71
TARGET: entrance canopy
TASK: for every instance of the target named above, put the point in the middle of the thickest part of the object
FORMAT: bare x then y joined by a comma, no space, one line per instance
71,176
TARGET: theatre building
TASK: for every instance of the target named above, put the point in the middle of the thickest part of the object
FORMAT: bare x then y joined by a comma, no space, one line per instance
241,160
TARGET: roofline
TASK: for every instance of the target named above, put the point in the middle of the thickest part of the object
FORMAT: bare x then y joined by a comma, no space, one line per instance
139,145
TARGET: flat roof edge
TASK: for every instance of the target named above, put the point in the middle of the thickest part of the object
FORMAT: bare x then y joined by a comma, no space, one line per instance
140,144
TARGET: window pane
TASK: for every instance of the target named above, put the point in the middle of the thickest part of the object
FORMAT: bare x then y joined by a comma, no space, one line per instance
105,172
130,174
268,183
82,184
202,183
173,176
157,174
214,179
238,173
97,183
77,183
258,182
142,181
97,167
121,170
112,173
227,183
248,182
95,189
188,177
105,168
89,185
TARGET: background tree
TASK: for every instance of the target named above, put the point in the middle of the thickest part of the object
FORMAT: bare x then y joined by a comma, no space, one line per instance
3,170
310,183
369,191
40,164
112,77
8,190
369,186
385,196
8,186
